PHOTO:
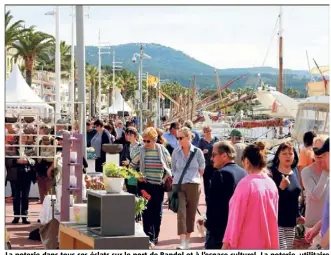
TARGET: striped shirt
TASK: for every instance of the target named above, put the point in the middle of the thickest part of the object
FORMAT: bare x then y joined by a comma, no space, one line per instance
153,167
153,171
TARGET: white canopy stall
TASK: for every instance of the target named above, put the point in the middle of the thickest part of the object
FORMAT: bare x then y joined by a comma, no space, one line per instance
20,98
19,95
119,104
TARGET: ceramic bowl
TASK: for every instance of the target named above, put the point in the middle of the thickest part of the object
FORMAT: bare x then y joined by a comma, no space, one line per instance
112,148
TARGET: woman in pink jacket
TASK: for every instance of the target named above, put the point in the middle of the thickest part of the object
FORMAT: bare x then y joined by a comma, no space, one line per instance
253,211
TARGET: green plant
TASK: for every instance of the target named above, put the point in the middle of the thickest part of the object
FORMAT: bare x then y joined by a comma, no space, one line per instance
113,170
140,205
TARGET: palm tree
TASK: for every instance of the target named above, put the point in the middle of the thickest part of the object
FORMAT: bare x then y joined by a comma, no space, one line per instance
13,31
127,82
49,60
91,80
107,86
30,45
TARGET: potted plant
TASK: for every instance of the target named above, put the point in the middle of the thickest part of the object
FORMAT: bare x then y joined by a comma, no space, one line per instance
91,157
114,176
91,153
140,205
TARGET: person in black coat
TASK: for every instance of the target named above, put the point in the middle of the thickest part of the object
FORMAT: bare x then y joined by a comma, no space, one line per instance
206,144
90,133
97,141
222,186
21,173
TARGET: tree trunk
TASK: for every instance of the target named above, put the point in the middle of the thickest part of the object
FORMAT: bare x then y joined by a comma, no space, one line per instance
110,97
92,101
28,78
76,105
28,63
123,95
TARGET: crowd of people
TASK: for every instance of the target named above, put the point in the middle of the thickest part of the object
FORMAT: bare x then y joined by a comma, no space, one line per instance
251,203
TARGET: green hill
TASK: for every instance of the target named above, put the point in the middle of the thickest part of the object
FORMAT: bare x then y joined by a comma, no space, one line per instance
175,65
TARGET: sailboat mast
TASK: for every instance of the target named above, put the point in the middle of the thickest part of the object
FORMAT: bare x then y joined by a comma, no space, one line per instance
193,98
308,61
280,52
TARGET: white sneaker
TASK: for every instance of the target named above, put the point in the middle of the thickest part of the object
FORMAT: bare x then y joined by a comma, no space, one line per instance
151,245
187,244
182,246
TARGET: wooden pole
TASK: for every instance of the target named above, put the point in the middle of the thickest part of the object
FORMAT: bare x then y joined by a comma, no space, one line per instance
280,59
193,98
281,64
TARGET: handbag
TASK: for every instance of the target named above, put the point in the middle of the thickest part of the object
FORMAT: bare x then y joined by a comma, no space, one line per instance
167,185
174,200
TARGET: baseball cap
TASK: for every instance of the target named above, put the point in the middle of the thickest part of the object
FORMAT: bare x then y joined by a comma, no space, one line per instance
325,148
235,133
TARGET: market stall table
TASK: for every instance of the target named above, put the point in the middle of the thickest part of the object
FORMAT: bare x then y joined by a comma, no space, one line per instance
74,236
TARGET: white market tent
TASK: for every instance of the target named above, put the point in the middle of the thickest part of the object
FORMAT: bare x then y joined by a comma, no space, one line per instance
19,95
119,104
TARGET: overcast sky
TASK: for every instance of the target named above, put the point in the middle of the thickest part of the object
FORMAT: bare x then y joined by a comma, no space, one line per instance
221,36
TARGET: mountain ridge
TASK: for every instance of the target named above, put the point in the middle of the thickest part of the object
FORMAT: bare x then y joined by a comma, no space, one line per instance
229,69
176,65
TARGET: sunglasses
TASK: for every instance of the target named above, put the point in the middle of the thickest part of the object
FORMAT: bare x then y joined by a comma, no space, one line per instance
207,131
180,138
146,141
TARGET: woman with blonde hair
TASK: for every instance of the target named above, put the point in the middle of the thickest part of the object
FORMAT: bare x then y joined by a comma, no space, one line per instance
253,208
153,160
189,158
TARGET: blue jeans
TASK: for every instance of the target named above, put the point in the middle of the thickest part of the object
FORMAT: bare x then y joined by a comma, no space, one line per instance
213,242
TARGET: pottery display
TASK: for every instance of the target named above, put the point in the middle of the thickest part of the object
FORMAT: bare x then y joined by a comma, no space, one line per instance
29,119
11,119
12,132
47,120
113,184
80,213
112,148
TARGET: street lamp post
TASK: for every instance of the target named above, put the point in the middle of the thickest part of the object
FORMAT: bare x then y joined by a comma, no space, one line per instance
158,106
141,56
72,78
116,67
56,13
72,85
99,70
81,71
99,85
